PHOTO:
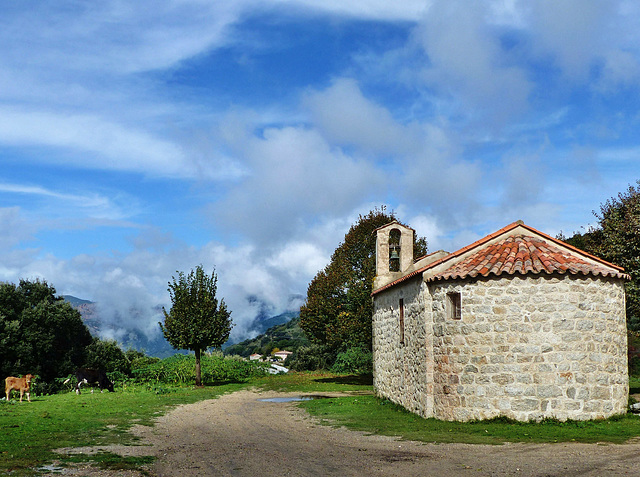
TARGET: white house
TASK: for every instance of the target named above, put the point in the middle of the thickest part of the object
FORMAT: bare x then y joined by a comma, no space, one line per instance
282,355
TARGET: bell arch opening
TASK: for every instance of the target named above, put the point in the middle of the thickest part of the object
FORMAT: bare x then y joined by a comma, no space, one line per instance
394,250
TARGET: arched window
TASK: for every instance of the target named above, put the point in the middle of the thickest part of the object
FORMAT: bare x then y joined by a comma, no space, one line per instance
394,250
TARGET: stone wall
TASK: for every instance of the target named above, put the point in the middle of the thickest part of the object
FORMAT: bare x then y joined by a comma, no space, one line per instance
403,371
525,347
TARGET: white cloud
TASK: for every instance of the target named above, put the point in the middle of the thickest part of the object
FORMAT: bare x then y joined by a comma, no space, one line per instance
293,175
106,145
346,117
281,184
427,227
571,31
14,227
300,260
523,180
466,62
88,207
110,37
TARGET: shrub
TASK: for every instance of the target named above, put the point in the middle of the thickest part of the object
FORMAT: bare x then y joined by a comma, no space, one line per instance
106,355
180,369
311,358
355,360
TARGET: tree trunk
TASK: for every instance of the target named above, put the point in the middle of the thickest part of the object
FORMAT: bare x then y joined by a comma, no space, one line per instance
198,374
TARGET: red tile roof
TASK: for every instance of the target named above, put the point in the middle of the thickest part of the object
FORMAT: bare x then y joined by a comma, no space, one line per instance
527,252
523,254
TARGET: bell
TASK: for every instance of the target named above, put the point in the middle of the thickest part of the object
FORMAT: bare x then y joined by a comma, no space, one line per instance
394,254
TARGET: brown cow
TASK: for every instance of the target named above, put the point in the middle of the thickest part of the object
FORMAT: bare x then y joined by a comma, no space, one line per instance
21,384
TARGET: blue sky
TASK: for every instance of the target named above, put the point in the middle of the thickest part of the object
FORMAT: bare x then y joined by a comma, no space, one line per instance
138,139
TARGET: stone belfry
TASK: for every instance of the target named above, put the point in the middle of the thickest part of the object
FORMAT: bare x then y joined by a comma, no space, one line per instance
394,251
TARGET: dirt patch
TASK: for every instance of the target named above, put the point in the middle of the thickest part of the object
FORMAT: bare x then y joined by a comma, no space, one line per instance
240,434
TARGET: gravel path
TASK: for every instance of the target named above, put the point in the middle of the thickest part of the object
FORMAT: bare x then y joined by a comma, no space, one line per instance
240,435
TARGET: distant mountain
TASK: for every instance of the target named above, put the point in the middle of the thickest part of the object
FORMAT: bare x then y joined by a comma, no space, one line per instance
159,347
132,338
285,336
75,301
262,325
88,312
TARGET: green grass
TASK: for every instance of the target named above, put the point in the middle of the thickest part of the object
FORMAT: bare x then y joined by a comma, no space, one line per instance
30,431
379,416
111,461
317,381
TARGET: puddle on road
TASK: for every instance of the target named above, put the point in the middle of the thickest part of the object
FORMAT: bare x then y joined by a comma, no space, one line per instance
56,469
286,399
295,398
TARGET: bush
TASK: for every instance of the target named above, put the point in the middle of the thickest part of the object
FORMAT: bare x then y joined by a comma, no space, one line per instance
354,361
215,369
139,360
106,355
311,358
118,378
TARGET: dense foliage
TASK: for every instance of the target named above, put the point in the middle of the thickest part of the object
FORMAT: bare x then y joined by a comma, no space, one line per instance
616,238
338,309
109,356
40,333
354,361
288,336
216,369
313,357
197,319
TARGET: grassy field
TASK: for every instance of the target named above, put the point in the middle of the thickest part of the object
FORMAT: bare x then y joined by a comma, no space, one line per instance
30,431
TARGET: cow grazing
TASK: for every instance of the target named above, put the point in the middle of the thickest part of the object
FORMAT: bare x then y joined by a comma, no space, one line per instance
21,384
90,376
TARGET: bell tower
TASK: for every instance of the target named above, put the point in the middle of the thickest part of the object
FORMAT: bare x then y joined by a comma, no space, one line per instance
394,251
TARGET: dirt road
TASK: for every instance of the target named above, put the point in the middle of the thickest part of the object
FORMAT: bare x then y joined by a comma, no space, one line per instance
241,435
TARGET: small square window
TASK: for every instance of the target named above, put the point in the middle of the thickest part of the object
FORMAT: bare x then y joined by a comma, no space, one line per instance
454,306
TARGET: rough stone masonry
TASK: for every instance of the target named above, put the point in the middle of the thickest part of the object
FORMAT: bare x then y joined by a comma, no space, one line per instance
463,336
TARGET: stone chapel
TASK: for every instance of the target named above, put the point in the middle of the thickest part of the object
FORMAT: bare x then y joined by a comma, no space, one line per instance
517,324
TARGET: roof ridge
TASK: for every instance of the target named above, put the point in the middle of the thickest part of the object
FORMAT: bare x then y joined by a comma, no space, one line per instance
575,249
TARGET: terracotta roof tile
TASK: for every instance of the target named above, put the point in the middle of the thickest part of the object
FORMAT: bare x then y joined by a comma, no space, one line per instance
523,254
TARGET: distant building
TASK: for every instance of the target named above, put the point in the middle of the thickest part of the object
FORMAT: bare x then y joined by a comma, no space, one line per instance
517,324
255,357
282,355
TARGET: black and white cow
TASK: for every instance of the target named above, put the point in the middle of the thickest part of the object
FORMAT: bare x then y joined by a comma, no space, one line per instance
90,376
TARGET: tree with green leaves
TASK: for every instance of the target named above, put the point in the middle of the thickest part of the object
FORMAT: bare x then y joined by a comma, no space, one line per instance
339,308
108,356
197,319
40,333
616,238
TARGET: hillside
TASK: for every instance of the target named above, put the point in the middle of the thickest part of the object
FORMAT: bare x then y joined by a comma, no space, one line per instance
287,336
